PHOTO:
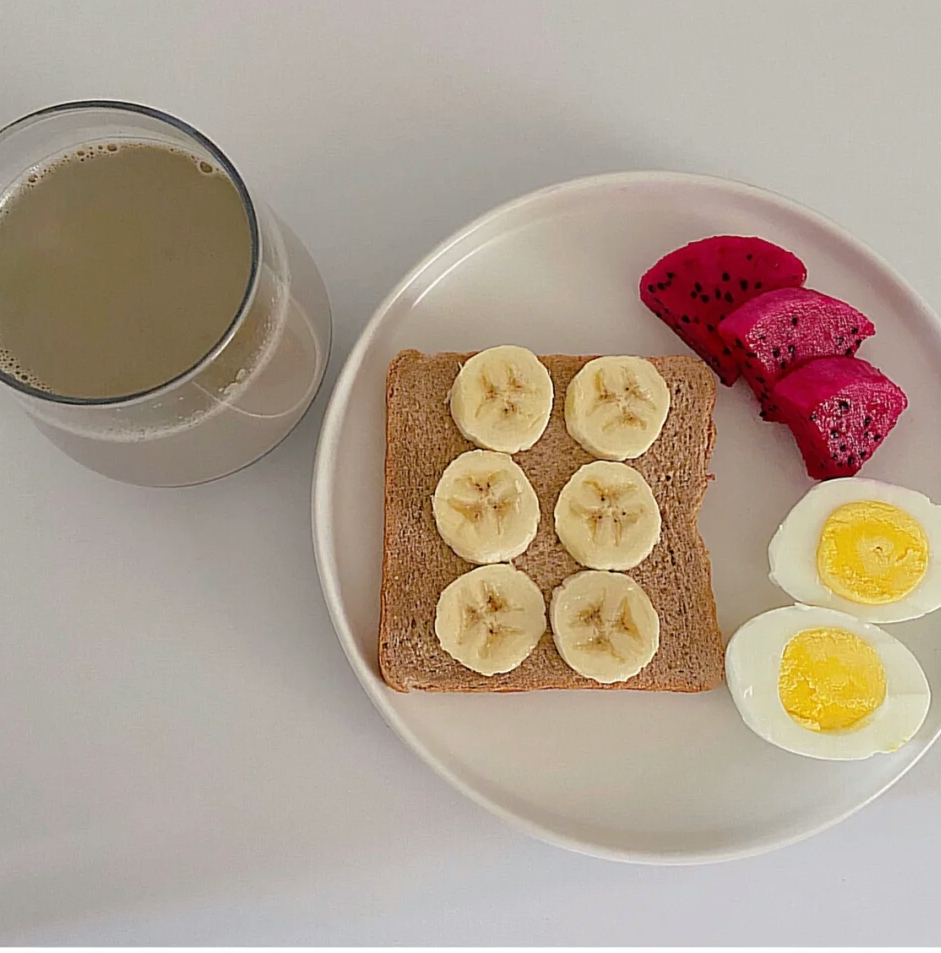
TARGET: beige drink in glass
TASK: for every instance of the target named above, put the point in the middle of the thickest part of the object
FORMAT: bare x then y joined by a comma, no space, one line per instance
158,323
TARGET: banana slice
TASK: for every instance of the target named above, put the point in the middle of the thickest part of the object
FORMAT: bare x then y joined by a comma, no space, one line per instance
485,508
604,626
606,516
490,618
615,407
502,398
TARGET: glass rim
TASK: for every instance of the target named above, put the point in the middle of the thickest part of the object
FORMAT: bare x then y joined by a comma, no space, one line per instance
247,204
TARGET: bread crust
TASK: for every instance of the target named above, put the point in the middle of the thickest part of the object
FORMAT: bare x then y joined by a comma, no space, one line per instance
421,439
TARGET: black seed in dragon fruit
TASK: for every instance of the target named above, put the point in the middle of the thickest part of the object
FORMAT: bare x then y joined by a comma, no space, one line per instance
775,333
693,288
840,410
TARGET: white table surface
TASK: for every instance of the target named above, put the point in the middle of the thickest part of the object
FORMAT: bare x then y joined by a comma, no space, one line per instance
185,755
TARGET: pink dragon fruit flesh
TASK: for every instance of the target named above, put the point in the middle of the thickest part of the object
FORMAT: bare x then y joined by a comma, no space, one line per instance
776,332
693,288
840,410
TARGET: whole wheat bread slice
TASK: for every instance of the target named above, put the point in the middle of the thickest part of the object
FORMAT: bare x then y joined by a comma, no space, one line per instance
421,439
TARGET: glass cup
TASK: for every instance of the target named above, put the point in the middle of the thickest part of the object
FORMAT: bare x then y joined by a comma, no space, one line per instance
243,396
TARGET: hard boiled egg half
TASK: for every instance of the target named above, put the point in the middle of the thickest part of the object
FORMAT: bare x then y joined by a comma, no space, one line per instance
825,684
865,547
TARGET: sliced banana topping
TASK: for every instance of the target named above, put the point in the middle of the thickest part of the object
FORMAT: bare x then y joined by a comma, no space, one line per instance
502,398
606,516
490,619
485,508
604,625
615,407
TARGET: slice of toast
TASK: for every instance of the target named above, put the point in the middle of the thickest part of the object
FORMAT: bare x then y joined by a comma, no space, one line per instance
422,439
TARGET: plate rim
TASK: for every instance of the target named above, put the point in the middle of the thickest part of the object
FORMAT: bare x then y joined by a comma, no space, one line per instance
322,515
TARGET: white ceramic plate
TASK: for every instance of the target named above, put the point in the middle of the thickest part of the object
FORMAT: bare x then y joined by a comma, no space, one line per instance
650,777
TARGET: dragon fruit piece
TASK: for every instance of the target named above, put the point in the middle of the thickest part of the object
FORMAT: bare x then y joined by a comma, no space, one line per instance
840,410
693,288
776,332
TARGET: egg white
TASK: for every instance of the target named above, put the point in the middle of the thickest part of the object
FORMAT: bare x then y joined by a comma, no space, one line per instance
753,662
793,549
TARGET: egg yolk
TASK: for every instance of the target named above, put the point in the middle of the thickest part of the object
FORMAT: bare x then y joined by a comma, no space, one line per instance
830,679
871,552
